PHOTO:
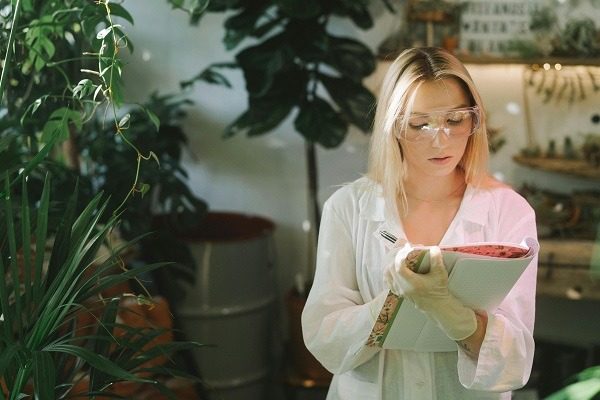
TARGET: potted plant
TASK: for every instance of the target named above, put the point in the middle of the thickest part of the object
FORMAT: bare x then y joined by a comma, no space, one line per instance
585,385
294,65
44,293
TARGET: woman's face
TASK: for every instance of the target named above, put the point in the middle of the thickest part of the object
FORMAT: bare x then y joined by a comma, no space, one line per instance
437,154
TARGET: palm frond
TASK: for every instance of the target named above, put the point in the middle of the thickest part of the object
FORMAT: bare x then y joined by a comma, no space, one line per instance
48,287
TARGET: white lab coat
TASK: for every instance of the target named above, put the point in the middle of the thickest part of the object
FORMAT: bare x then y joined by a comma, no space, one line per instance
349,290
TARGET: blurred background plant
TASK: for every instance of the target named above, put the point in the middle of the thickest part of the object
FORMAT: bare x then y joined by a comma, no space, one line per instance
294,66
576,37
583,386
64,129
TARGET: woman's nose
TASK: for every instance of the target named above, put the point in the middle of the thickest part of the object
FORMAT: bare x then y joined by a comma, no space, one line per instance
441,138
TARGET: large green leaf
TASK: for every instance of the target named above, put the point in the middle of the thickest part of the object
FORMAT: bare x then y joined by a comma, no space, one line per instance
120,11
266,112
261,117
57,126
224,5
357,11
11,232
240,26
211,75
39,38
266,27
97,361
98,378
309,41
44,375
303,9
356,102
41,233
8,356
261,63
584,390
350,57
318,122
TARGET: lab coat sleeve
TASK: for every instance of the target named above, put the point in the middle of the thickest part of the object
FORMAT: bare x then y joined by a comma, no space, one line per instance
337,320
506,354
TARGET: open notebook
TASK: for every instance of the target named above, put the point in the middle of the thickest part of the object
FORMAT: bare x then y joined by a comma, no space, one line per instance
479,274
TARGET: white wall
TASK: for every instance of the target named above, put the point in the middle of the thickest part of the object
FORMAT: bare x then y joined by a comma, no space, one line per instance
266,175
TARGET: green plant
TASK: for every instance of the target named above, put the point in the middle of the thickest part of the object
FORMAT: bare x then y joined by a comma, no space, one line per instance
45,114
293,65
66,114
576,38
47,284
107,162
583,386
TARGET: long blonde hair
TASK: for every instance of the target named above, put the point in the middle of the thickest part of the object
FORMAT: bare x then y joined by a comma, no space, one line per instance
410,69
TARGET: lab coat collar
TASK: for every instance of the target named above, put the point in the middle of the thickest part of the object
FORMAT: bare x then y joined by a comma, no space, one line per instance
372,203
474,208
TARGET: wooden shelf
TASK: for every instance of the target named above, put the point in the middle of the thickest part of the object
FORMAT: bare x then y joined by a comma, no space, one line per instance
568,283
496,60
540,61
579,168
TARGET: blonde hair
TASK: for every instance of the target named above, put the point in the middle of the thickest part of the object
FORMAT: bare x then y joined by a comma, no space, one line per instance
410,69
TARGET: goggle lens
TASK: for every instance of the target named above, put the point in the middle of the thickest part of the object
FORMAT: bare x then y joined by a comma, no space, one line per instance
457,123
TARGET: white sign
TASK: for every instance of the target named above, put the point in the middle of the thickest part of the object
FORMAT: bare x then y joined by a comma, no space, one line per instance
487,26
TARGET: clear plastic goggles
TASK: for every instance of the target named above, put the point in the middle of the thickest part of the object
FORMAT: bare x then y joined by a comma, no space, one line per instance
456,123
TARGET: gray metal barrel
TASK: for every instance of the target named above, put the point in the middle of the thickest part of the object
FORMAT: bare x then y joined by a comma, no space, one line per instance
231,305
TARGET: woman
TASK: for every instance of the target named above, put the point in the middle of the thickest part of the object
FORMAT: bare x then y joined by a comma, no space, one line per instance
427,184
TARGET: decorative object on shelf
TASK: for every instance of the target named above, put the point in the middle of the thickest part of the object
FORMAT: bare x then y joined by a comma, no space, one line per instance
529,153
569,151
565,216
495,139
557,82
577,37
555,212
573,83
437,13
591,149
487,27
551,151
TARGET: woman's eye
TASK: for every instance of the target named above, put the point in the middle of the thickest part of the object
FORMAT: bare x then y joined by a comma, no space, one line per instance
455,118
418,122
417,126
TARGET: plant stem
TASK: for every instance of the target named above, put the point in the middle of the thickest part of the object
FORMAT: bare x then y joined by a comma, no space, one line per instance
9,48
313,202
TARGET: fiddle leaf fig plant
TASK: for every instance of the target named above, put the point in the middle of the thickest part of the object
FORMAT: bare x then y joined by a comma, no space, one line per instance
294,65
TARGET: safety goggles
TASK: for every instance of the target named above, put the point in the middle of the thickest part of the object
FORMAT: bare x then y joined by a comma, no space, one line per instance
456,123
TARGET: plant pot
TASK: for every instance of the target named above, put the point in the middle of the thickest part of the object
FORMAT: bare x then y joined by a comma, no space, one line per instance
303,362
450,43
231,304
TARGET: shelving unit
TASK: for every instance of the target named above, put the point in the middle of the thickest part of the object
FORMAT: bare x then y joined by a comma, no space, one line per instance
579,168
469,59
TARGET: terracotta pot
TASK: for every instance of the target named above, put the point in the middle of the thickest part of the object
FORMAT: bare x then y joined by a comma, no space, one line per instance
303,362
450,43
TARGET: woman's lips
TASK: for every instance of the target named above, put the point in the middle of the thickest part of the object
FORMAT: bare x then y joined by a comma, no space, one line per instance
440,160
